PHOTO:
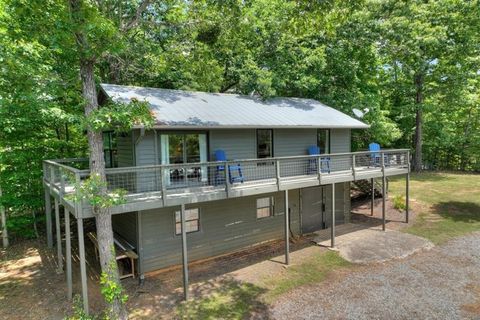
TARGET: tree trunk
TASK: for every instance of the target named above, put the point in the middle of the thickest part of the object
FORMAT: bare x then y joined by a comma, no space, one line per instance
103,217
4,224
35,229
417,160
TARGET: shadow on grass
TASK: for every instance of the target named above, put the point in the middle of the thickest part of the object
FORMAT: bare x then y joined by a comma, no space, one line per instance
227,299
458,211
449,220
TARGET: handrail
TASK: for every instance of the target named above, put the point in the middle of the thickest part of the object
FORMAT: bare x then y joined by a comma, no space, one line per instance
54,163
233,161
163,178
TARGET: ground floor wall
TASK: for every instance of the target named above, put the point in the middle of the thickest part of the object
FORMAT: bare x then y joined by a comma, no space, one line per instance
224,226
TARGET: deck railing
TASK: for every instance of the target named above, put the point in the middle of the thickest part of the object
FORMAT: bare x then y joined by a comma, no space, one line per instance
63,175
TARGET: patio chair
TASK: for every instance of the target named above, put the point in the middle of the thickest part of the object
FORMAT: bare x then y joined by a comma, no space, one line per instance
375,156
312,163
234,171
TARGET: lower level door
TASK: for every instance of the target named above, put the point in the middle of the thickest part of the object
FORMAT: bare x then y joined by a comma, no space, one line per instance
312,209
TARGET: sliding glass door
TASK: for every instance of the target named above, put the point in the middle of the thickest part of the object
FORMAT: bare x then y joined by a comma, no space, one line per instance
183,148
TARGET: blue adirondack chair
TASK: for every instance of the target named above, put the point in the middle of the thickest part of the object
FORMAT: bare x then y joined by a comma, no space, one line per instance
234,171
312,164
375,156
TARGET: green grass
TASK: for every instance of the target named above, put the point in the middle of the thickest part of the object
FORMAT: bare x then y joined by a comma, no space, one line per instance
314,270
234,300
231,300
450,207
449,204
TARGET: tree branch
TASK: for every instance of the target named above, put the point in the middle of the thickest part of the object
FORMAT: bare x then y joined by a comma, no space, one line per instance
134,22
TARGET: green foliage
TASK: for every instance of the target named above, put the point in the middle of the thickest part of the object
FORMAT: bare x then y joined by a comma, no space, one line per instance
399,202
111,290
21,226
121,117
78,312
357,54
94,191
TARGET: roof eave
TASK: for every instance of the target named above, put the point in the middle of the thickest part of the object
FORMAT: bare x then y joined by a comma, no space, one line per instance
194,127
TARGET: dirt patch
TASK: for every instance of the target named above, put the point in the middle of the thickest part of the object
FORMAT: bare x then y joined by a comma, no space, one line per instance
395,219
473,308
29,285
162,291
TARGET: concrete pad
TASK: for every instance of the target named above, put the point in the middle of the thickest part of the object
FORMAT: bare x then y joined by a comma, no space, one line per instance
372,245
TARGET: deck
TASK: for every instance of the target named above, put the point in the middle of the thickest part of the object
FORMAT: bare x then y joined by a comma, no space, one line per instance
157,186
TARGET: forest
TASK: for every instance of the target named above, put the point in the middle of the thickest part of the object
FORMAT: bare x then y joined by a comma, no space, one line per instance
413,68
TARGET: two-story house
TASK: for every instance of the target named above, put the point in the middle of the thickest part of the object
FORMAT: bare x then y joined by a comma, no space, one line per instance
233,170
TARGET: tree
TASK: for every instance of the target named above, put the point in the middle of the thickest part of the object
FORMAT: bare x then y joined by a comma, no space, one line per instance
417,39
95,35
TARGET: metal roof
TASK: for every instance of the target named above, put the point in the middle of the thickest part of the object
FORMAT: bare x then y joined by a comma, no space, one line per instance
189,110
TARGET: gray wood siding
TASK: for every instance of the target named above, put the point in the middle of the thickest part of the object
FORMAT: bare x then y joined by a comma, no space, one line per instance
145,155
237,143
125,224
340,140
340,143
145,149
342,210
125,150
225,226
293,142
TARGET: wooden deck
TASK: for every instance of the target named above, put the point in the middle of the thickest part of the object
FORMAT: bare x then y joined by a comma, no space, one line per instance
151,187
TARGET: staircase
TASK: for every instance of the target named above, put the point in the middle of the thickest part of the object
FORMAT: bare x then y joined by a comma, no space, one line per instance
364,186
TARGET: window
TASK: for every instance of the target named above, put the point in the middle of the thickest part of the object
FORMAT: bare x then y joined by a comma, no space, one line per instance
323,140
264,143
192,221
264,207
179,148
110,149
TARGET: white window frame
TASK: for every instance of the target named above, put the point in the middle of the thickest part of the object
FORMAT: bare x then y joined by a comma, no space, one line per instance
178,222
270,206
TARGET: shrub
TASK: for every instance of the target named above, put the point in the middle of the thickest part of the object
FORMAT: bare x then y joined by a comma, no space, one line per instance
399,202
22,226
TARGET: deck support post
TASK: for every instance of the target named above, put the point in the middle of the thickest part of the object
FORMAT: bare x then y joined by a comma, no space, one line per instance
384,191
59,237
184,253
48,214
407,197
287,230
227,179
68,254
384,199
83,266
332,228
372,201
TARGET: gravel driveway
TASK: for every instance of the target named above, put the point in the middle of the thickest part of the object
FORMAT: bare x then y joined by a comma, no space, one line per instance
443,283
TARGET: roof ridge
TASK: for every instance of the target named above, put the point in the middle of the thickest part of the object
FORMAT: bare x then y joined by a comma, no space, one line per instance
212,93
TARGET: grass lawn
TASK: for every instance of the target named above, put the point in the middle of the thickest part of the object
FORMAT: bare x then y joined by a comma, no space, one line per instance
233,300
449,204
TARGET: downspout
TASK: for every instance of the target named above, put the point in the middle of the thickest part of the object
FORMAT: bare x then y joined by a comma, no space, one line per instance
141,278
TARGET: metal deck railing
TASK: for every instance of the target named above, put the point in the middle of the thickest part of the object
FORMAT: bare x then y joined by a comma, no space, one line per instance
232,178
